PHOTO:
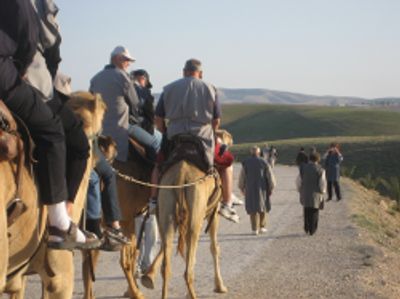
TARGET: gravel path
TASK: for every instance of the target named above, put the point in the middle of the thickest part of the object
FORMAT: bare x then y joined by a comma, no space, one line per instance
283,263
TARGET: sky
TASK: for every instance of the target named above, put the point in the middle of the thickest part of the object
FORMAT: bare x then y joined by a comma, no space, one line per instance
320,47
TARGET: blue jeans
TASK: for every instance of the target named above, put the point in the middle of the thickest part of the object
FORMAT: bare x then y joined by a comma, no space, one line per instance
93,209
152,143
108,199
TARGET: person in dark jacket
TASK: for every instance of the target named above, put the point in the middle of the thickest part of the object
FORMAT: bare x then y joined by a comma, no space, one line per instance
257,182
301,157
19,38
311,184
333,159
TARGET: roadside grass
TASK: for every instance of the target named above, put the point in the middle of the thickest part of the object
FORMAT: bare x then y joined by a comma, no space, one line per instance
374,213
261,122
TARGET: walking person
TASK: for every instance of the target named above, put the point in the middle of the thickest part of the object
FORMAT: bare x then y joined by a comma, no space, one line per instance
272,156
311,184
301,157
257,182
333,159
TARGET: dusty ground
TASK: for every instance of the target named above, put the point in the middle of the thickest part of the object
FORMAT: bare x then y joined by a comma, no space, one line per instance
340,261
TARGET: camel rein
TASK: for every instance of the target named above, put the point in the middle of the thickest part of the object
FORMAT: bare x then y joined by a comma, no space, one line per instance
139,182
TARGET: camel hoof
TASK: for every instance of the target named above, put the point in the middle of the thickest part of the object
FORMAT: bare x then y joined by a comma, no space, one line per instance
127,294
221,289
147,282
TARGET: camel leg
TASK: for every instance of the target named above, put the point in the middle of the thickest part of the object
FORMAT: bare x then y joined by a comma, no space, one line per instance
86,272
58,274
192,242
3,248
16,287
215,251
149,277
128,265
167,231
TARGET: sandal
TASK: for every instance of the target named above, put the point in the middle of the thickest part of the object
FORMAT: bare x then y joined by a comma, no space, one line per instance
108,244
117,235
69,237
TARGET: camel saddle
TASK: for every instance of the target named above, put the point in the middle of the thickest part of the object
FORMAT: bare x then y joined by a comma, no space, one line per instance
184,147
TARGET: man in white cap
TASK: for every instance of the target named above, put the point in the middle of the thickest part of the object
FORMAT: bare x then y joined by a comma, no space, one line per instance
123,119
116,88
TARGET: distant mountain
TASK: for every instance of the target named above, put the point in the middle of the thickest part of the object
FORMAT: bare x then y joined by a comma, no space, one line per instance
263,96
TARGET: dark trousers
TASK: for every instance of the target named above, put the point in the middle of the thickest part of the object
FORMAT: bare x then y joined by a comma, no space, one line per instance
109,194
336,185
77,145
311,220
48,134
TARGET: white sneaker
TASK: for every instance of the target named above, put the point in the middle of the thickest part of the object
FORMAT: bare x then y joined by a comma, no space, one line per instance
229,213
236,201
255,232
263,230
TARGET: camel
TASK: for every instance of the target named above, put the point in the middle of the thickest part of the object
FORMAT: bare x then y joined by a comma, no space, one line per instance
133,199
55,267
185,210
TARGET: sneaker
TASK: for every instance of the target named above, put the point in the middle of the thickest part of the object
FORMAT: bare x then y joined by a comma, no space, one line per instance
117,235
263,230
229,213
109,244
69,239
255,232
236,201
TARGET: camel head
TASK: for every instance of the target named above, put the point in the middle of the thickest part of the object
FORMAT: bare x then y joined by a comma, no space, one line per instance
91,108
109,147
224,136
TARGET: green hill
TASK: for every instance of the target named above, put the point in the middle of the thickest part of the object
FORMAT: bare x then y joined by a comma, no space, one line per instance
251,123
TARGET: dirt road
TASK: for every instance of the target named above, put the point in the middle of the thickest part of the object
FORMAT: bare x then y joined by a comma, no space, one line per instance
283,263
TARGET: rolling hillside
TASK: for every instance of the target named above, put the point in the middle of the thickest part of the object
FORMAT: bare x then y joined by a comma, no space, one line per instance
255,123
267,96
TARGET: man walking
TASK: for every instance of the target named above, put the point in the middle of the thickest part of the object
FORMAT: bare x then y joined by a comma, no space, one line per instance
257,182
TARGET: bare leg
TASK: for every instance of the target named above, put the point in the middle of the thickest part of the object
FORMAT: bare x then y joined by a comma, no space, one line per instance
227,182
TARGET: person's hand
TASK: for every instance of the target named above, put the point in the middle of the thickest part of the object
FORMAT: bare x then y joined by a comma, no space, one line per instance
152,204
222,149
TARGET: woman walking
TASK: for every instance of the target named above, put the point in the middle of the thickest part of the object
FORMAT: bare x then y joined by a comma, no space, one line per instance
311,184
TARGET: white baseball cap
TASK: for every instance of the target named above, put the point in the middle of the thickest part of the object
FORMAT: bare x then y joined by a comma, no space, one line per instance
120,50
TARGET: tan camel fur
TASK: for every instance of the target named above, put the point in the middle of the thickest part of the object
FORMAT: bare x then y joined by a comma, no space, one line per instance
55,267
133,199
185,210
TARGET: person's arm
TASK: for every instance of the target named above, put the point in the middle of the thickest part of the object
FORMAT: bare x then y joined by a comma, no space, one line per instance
216,115
271,179
25,22
159,113
242,181
322,182
215,123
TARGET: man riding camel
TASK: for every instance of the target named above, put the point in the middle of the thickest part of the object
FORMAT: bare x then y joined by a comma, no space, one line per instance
192,107
29,57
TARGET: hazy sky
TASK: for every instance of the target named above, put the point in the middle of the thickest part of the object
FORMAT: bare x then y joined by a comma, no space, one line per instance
340,47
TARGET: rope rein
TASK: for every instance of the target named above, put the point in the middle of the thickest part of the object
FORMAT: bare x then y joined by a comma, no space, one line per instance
139,182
